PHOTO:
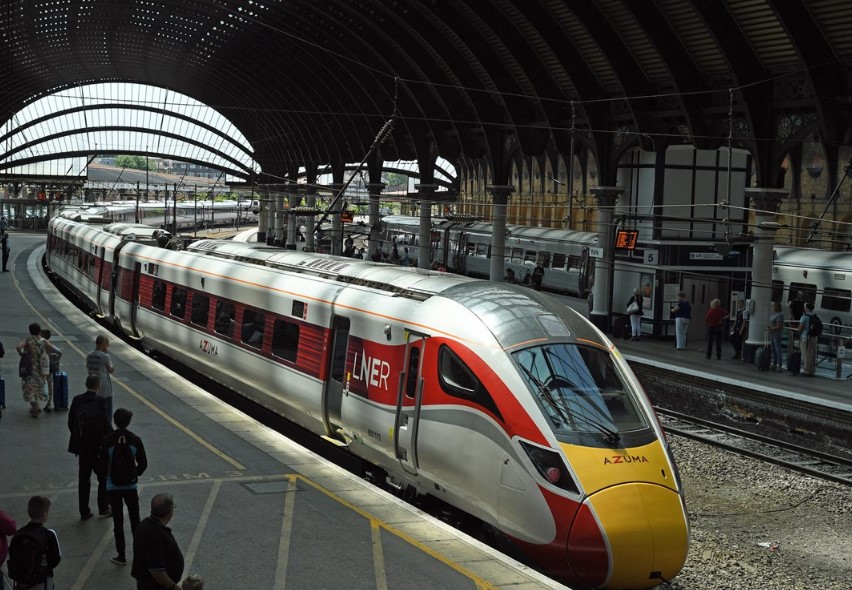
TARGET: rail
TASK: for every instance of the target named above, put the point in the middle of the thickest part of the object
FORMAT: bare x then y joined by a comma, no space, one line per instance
763,448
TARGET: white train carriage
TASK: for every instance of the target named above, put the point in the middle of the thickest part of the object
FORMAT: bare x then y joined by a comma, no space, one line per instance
491,397
465,248
824,277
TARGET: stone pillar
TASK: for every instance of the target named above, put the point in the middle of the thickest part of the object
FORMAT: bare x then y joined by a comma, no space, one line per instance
766,203
295,199
278,228
374,190
336,223
424,239
311,202
500,194
262,214
607,197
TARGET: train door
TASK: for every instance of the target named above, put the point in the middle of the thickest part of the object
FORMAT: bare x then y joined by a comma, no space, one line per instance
700,292
587,269
101,266
134,300
460,255
408,401
332,397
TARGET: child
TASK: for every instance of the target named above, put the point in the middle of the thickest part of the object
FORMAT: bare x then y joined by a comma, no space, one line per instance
32,539
54,356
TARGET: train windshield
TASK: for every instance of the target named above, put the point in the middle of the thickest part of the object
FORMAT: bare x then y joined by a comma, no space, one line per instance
580,390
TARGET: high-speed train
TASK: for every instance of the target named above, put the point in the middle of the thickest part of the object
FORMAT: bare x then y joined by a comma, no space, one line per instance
491,397
162,214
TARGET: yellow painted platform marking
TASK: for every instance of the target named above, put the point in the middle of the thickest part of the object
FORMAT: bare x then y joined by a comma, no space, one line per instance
286,532
96,556
202,524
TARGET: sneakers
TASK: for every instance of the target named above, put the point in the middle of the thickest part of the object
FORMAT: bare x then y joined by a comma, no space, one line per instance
87,516
119,560
105,513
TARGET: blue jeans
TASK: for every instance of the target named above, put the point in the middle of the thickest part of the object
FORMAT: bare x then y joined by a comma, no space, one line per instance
681,325
776,350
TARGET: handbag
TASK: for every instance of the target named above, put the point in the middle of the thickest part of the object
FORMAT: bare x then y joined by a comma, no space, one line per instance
633,308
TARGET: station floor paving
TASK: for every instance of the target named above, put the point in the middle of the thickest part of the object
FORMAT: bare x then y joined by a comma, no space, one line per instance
254,510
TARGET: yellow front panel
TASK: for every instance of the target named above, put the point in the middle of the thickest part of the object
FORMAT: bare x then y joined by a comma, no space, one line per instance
600,468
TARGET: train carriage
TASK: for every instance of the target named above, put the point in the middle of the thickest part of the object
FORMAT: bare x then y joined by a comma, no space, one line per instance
491,397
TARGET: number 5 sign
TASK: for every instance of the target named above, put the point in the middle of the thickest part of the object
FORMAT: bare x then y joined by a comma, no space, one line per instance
652,257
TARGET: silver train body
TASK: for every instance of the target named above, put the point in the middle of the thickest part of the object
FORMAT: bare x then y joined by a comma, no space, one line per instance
494,398
824,277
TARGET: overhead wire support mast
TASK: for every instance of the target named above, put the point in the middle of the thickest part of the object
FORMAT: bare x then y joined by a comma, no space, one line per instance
834,194
380,138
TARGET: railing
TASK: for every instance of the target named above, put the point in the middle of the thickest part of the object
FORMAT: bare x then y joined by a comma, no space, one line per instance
834,348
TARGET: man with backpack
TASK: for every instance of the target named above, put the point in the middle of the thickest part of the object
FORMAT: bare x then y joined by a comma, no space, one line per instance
34,550
122,458
89,422
810,329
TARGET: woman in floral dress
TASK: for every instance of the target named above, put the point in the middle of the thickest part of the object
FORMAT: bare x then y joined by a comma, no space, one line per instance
35,386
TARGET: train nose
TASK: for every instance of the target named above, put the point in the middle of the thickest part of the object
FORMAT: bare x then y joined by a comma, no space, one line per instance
629,536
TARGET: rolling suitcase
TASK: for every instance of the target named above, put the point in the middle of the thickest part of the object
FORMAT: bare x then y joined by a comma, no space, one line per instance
621,327
60,390
794,362
763,356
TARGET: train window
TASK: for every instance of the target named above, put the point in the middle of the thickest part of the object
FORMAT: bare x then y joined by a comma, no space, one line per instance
285,340
413,370
544,259
178,308
809,290
482,250
575,262
224,323
200,309
518,254
471,248
558,260
158,296
341,343
531,256
836,299
778,291
579,389
253,325
298,309
458,380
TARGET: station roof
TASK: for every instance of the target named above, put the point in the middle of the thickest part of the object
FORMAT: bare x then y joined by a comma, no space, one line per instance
309,83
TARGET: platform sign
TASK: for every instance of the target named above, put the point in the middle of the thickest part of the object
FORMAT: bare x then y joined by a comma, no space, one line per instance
625,239
705,256
596,252
651,256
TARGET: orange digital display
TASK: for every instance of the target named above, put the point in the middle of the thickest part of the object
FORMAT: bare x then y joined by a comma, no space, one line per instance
626,239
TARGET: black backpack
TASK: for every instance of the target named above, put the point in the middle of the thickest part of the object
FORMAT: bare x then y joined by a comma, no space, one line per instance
90,421
815,326
25,365
28,557
122,466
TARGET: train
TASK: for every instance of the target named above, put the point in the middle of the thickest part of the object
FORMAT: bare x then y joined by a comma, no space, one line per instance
491,397
187,215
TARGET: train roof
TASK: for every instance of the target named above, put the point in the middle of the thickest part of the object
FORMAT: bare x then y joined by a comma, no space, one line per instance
516,315
512,231
812,258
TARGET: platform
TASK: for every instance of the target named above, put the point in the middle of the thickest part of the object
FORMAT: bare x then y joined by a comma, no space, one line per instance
255,510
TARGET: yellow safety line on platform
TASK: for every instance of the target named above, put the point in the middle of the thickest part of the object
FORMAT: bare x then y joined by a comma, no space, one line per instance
136,394
480,582
286,532
378,556
96,556
202,524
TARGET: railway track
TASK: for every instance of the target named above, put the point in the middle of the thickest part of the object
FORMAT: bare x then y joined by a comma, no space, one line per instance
794,457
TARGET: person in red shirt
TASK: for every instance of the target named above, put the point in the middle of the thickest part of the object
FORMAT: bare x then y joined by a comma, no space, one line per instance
714,317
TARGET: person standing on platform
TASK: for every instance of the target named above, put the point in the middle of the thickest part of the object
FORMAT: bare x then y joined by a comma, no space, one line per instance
7,527
4,242
98,363
88,423
157,559
714,317
634,310
739,330
122,459
809,344
33,538
682,313
776,332
34,385
537,276
54,357
797,306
